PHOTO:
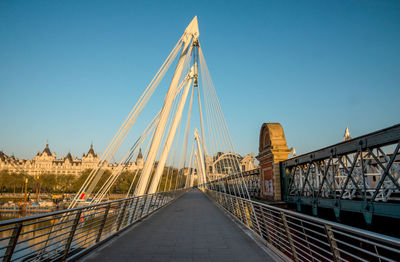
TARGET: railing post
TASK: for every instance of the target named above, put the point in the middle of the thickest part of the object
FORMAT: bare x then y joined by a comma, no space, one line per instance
225,201
144,206
241,211
121,217
234,209
308,243
151,200
130,209
266,226
256,217
149,209
332,243
246,213
233,206
159,200
134,211
220,199
163,199
71,234
103,223
13,242
285,224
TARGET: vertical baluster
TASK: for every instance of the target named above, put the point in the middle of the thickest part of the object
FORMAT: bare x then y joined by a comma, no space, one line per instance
332,243
13,242
103,223
71,234
289,235
133,216
144,205
121,215
242,211
267,236
160,200
149,209
307,241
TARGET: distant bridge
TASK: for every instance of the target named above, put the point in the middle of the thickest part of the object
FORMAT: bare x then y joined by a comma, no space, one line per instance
360,175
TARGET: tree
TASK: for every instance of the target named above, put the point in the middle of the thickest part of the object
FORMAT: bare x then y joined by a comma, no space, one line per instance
65,183
48,182
85,174
4,180
78,182
124,182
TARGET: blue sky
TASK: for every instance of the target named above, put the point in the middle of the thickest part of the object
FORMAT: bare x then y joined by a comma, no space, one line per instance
70,71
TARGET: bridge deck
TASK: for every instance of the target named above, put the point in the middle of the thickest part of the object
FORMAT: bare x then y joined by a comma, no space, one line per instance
190,229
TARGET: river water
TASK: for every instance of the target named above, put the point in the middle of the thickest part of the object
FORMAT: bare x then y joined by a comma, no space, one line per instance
12,215
34,235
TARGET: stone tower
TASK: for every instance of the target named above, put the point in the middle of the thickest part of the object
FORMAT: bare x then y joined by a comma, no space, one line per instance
272,150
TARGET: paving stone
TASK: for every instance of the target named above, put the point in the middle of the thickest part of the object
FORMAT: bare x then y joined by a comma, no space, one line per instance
190,229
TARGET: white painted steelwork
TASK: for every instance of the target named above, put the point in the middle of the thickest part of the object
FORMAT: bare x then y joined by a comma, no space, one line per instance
165,157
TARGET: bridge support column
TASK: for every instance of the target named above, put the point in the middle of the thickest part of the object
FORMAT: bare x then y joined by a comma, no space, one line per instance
272,150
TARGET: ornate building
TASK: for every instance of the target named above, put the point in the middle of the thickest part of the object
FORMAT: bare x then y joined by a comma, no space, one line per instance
47,162
226,163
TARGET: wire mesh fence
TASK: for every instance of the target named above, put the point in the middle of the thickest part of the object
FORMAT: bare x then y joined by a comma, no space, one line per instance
68,233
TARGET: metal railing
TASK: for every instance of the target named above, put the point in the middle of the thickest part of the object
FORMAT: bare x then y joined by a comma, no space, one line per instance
251,178
298,237
67,234
358,175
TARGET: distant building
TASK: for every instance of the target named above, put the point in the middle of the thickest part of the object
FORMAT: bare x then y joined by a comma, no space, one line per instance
293,153
47,162
225,163
346,134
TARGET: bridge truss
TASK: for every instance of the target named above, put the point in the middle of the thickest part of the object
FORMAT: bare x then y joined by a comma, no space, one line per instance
359,175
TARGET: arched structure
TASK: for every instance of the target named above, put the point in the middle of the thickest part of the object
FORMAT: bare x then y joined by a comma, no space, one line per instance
232,157
224,163
272,150
272,136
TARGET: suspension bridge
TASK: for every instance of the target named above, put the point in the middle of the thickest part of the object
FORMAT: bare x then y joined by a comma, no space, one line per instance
192,200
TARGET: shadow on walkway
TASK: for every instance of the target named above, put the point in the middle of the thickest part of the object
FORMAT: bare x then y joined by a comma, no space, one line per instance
190,229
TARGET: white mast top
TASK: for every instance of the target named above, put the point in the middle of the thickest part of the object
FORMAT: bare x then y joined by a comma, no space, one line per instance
193,28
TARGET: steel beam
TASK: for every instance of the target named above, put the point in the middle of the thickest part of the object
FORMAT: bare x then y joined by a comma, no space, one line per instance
379,208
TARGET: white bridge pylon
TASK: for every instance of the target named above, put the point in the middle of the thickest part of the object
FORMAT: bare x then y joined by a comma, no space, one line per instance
165,140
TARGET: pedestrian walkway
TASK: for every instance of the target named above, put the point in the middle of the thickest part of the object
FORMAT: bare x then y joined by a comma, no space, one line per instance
190,229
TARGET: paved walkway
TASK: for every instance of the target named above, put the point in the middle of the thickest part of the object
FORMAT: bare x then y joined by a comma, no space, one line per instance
190,229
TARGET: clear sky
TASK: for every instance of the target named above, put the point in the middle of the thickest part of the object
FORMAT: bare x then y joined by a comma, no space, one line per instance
70,71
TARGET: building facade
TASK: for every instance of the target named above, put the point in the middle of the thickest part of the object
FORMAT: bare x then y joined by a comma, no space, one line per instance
222,164
47,162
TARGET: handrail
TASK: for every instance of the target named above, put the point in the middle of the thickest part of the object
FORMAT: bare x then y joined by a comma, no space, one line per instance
383,137
358,175
300,237
61,234
22,219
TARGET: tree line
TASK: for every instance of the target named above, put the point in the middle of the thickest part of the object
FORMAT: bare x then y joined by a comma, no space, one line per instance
11,182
